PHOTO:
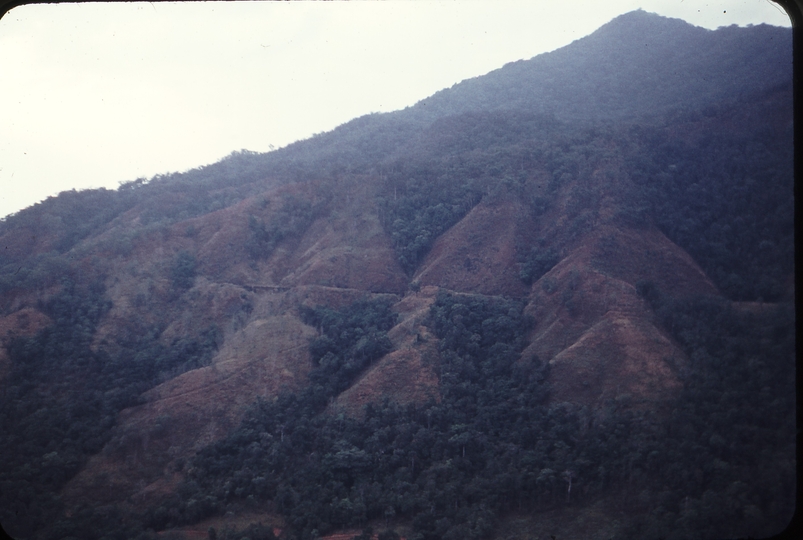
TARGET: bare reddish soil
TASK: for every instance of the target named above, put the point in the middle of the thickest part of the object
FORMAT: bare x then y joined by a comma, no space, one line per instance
594,329
478,255
590,323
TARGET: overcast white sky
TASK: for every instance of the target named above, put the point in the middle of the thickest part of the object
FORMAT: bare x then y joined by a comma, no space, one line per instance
92,95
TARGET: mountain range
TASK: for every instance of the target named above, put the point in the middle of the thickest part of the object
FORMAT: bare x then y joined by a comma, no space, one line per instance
554,300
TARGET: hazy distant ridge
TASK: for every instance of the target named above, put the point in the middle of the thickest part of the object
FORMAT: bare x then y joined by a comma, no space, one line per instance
637,64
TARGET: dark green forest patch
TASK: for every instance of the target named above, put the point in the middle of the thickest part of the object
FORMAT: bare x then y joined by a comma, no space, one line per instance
293,217
60,401
726,196
494,444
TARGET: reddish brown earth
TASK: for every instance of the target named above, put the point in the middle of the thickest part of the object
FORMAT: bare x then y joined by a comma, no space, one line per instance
265,344
478,255
590,324
408,374
595,331
194,409
598,335
230,522
348,249
401,374
33,239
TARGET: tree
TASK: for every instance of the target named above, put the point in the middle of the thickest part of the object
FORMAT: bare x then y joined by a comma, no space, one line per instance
182,274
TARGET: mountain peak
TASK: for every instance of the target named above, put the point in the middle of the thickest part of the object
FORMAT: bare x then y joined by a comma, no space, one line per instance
394,322
644,63
642,27
640,16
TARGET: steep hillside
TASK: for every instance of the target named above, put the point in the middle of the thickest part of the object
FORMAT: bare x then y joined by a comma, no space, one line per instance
505,308
639,64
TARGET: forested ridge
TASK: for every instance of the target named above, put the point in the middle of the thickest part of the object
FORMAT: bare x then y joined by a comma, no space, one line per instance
369,330
493,443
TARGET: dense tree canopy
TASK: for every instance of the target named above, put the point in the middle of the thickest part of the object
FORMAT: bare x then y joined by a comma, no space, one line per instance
707,161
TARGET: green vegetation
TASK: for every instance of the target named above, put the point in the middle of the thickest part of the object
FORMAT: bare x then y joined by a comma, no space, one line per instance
293,217
453,165
636,66
718,459
37,272
182,273
259,460
725,196
72,215
60,402
725,457
422,206
351,339
438,464
538,262
493,444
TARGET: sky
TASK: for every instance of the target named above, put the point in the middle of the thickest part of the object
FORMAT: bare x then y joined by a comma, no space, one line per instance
94,94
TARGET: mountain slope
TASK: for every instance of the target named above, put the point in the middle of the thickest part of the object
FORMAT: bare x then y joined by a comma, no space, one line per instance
507,300
639,64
